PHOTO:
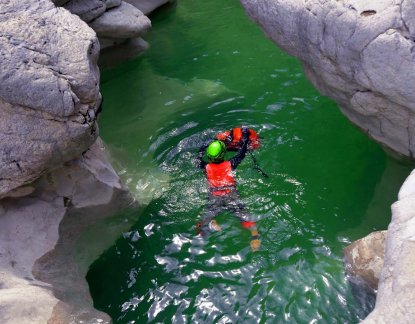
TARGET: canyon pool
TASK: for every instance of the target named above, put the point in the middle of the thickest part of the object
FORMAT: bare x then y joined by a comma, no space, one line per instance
209,69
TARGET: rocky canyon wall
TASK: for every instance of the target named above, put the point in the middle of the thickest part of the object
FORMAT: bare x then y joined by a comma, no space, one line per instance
49,238
49,92
361,54
58,191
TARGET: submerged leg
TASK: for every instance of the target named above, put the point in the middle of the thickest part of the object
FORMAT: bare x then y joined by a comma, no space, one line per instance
208,224
255,241
238,208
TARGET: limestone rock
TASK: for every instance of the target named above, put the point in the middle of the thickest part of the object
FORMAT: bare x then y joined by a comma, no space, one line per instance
408,15
121,51
109,42
118,24
49,88
60,2
148,6
49,239
360,53
87,10
124,21
27,231
395,302
364,258
15,292
112,3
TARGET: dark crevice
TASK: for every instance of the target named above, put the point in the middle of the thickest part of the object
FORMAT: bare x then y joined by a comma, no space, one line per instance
310,11
67,202
93,130
367,13
18,165
100,107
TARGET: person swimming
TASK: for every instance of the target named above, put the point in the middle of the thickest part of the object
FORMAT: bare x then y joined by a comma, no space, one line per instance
222,185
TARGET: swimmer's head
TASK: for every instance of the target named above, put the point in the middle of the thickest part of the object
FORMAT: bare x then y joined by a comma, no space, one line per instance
216,151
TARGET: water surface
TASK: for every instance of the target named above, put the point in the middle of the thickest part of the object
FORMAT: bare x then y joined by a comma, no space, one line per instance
209,69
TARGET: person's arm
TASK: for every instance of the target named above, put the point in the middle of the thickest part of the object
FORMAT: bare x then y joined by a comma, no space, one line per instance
202,164
225,137
237,159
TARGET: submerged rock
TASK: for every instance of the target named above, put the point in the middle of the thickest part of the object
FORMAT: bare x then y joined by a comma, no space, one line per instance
121,50
358,53
364,258
49,239
49,81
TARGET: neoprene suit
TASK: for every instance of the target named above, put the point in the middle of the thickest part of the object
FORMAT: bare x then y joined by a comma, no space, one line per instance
222,188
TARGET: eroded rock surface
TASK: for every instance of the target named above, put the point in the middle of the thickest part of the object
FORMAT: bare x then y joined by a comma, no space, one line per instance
49,89
360,53
124,21
49,238
148,6
118,24
87,10
395,302
57,193
364,258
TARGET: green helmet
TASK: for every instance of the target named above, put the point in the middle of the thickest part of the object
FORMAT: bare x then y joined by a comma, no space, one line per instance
216,151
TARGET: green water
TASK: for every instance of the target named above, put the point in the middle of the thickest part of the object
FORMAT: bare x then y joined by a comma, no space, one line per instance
209,69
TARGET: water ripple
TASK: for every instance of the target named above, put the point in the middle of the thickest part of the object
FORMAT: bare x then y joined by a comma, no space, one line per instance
161,270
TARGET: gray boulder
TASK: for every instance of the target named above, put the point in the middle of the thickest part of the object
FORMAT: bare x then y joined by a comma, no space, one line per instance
87,10
124,21
395,302
49,90
364,258
148,6
118,24
49,239
360,53
357,52
112,3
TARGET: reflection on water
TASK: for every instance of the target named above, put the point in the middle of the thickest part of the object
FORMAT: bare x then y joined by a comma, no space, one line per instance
161,270
164,270
204,75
